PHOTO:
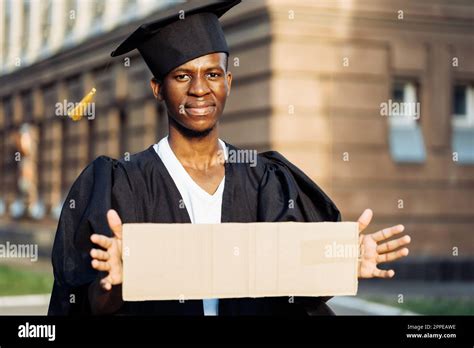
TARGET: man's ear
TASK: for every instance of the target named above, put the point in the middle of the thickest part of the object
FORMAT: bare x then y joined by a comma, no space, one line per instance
229,82
156,88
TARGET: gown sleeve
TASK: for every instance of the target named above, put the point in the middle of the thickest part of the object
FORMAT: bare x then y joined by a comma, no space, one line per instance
287,194
83,213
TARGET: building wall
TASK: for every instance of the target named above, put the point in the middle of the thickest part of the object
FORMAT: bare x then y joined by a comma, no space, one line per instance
43,65
33,30
326,114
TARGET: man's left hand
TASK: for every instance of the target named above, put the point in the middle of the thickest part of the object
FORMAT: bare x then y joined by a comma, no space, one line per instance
375,248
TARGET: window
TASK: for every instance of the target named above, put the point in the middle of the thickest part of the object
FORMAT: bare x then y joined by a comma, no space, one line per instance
3,207
459,100
7,30
26,26
129,5
71,9
463,122
46,15
98,9
129,10
404,112
463,105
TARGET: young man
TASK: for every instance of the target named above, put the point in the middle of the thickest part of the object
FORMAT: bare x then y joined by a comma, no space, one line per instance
182,179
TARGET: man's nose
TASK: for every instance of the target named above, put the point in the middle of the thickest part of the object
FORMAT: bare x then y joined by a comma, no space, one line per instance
198,87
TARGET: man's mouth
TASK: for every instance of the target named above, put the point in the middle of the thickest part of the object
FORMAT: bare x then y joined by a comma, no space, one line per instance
200,110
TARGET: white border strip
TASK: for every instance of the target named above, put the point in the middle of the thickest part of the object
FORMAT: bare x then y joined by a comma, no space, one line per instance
24,301
371,308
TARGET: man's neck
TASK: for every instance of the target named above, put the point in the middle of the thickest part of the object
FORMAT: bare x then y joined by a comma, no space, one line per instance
198,153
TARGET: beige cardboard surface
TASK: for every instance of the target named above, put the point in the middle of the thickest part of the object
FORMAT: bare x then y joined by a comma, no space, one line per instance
230,260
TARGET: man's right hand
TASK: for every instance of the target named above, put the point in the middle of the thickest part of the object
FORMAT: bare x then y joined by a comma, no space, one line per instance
110,259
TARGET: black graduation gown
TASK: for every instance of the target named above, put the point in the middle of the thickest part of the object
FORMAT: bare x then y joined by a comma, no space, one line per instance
142,190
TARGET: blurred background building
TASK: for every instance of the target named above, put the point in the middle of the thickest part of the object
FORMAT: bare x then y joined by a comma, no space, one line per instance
310,79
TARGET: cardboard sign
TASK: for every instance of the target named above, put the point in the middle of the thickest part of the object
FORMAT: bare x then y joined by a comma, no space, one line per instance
230,260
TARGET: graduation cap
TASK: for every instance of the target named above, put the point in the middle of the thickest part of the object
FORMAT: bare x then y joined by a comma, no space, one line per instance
171,41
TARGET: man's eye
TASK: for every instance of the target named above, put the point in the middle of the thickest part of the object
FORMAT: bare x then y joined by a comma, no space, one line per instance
182,77
214,75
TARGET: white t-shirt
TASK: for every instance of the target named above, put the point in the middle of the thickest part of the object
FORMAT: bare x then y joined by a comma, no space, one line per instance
202,207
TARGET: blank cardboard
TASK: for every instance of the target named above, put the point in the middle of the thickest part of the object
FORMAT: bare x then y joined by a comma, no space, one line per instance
231,260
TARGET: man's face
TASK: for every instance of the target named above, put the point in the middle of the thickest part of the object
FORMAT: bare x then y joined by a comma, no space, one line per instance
195,92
